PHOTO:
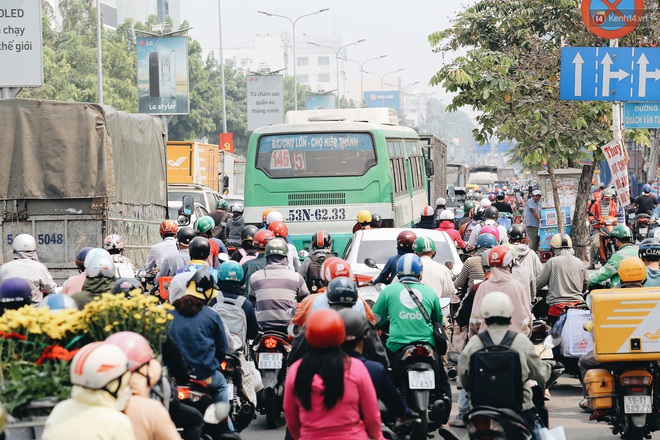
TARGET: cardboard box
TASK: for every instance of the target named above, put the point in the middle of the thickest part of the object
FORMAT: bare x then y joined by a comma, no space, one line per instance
626,324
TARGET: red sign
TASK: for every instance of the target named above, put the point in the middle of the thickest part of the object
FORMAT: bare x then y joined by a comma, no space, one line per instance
612,18
227,142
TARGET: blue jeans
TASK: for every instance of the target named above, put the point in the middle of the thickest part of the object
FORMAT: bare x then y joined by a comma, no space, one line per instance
529,417
218,388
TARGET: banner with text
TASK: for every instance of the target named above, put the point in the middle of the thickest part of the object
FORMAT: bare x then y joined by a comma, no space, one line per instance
617,159
20,44
265,100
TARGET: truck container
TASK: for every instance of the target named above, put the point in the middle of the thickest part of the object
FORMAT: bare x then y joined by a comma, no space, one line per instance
232,172
437,152
193,162
74,172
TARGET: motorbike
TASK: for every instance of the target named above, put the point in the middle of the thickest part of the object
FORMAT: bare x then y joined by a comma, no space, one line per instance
605,226
624,395
195,394
270,351
241,409
641,226
654,228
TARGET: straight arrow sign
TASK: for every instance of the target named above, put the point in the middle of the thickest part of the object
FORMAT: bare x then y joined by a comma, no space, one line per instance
578,62
645,75
608,74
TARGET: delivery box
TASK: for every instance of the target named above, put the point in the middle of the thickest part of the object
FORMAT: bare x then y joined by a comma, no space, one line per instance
626,324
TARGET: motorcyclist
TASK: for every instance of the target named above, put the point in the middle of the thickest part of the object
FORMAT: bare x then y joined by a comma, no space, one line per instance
518,237
404,245
26,265
565,276
100,277
446,224
167,247
478,219
436,275
440,205
468,206
500,260
427,219
321,244
245,251
342,293
604,206
260,240
275,289
75,283
646,202
363,221
204,228
14,294
522,274
199,250
472,269
100,378
235,224
596,195
149,417
181,259
376,221
497,310
501,204
649,252
220,217
490,214
281,230
622,236
114,243
128,287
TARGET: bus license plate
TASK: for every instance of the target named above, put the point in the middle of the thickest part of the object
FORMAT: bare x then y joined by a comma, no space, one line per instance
643,231
637,404
230,391
270,361
421,380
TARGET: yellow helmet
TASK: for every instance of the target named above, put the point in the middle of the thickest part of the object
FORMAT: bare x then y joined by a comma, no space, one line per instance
561,241
265,214
364,216
632,270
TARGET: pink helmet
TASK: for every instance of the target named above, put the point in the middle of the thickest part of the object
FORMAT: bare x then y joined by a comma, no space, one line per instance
137,348
491,230
491,197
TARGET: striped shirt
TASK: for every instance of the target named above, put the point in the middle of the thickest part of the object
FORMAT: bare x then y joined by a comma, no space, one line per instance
472,270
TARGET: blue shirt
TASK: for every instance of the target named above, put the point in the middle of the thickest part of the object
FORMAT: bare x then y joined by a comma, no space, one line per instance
530,220
389,271
652,278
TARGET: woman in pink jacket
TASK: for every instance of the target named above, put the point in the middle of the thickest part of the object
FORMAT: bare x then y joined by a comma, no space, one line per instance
327,395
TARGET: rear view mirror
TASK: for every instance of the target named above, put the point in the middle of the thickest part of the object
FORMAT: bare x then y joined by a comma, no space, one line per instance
188,205
370,262
430,170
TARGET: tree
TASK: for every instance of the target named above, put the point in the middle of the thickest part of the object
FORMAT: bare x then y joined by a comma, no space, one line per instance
511,74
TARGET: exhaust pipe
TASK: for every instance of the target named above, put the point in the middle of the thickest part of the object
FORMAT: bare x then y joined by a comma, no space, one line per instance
452,373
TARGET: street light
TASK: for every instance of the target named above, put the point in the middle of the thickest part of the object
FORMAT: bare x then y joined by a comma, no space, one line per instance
337,58
382,77
362,73
293,25
403,100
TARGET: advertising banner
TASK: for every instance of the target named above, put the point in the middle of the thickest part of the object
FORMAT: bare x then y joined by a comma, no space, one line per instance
162,74
265,100
617,159
20,44
315,101
387,98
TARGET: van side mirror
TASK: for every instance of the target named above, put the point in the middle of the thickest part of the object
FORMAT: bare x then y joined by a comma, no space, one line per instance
188,205
430,170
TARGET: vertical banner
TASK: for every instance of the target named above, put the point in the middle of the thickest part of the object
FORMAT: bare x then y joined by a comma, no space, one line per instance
20,44
227,142
265,100
617,159
162,75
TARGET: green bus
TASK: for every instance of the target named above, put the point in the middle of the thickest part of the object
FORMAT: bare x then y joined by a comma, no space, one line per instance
321,167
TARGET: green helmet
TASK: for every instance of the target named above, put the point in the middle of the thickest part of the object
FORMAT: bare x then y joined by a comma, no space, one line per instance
221,204
422,245
277,246
204,224
621,231
469,204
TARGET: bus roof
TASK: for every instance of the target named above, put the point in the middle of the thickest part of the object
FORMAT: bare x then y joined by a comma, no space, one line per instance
341,126
376,115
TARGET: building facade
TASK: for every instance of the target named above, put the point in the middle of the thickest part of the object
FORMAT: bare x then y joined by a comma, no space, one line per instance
115,12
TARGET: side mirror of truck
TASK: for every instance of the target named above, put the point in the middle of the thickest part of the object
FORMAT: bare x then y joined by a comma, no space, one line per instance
430,170
188,205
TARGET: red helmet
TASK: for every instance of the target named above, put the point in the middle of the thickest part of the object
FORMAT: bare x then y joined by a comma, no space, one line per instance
321,240
488,229
324,266
168,227
500,256
279,229
325,328
336,268
405,240
261,238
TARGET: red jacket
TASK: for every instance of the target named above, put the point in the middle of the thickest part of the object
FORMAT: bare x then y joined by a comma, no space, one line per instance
448,227
595,208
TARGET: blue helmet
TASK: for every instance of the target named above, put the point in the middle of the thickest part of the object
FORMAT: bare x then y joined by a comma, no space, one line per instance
230,271
58,301
486,241
646,188
342,292
409,265
14,293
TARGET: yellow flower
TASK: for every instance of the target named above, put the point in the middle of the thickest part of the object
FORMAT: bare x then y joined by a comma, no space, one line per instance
107,328
137,316
160,320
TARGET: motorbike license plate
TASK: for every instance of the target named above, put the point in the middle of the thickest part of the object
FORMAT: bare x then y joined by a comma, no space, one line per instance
230,391
270,361
421,380
643,231
637,404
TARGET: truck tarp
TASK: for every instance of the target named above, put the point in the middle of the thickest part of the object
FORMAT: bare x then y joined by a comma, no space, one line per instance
62,150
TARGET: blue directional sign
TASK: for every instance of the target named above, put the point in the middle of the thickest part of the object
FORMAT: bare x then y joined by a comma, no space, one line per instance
641,115
610,74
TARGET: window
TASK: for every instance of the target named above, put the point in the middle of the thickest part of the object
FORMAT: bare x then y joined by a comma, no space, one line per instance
324,61
397,167
414,152
303,78
324,77
303,61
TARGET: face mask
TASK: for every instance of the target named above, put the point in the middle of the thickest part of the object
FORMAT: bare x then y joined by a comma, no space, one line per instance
123,396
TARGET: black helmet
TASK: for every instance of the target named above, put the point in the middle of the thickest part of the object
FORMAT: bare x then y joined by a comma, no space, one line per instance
342,292
376,220
204,285
248,232
516,232
357,326
80,258
128,287
199,248
185,235
650,247
491,212
321,240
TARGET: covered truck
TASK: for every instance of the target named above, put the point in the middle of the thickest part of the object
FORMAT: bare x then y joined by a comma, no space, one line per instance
73,172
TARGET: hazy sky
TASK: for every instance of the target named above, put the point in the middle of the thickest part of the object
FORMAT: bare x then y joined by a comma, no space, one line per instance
398,29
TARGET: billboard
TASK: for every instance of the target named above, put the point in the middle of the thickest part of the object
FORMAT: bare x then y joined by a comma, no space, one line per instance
20,44
386,98
162,75
315,101
265,100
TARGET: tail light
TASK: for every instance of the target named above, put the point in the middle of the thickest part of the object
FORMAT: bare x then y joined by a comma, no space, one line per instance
487,428
270,342
636,381
183,393
418,351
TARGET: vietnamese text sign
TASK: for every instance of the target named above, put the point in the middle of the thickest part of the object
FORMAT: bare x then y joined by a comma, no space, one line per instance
386,98
641,115
20,44
162,74
618,161
610,74
265,100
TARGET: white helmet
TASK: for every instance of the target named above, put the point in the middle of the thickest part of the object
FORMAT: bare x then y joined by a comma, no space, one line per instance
97,364
100,266
496,304
113,241
93,253
24,243
446,215
427,211
485,203
237,207
440,201
274,216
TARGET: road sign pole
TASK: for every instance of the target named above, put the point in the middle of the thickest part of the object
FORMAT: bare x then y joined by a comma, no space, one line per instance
616,110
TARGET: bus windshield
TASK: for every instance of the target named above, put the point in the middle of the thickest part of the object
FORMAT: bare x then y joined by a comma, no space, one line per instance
315,154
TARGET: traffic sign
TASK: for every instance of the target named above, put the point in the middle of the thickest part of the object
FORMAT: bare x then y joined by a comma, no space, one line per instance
641,115
612,18
610,74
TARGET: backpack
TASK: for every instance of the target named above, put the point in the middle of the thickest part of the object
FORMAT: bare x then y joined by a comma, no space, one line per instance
233,316
313,279
470,226
496,374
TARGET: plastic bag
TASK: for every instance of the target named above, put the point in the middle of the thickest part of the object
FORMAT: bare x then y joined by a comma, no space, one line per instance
556,433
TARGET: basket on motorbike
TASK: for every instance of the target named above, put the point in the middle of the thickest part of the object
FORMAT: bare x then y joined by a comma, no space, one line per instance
600,388
164,287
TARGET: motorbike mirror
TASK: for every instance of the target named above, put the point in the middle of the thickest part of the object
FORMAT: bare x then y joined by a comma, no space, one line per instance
370,262
449,264
452,357
587,299
291,312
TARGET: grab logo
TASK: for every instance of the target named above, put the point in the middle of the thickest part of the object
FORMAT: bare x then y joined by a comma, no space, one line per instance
407,301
